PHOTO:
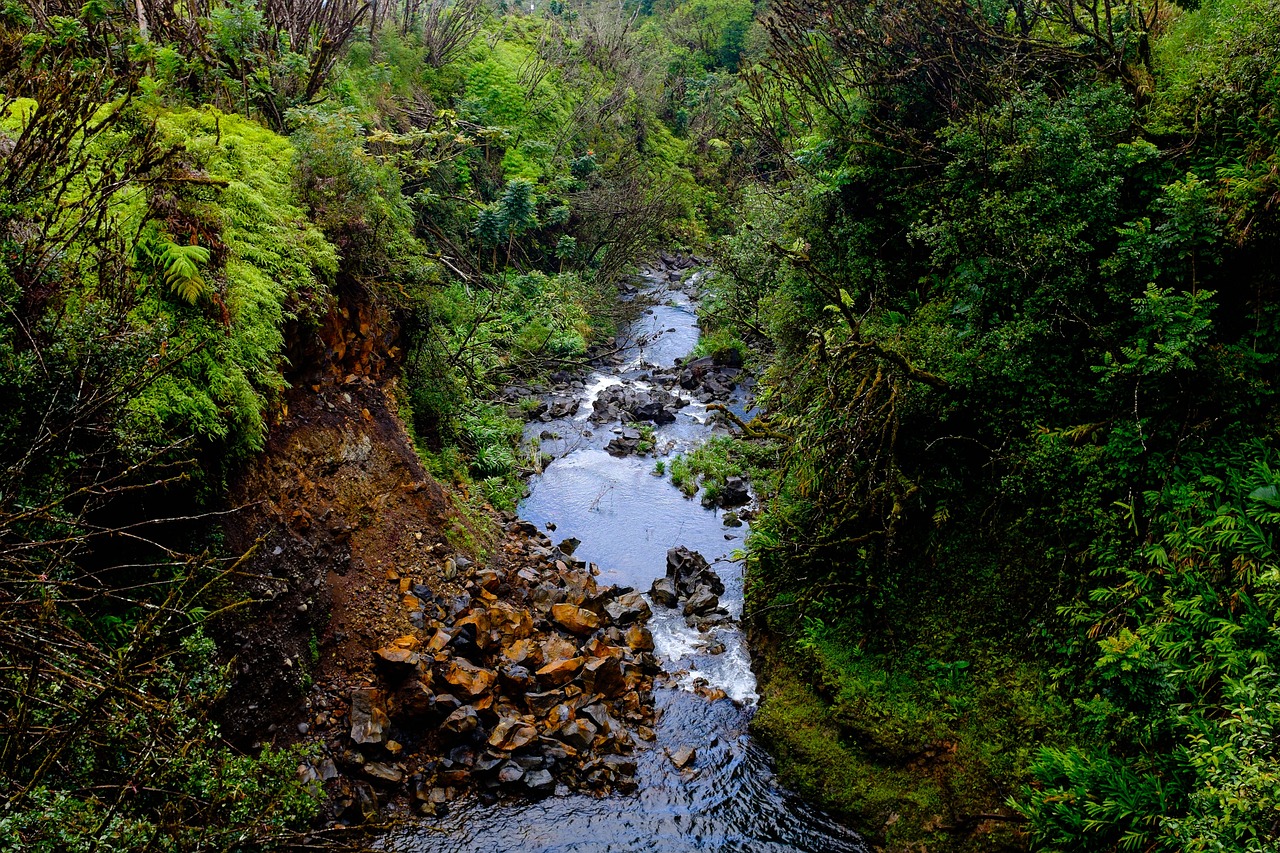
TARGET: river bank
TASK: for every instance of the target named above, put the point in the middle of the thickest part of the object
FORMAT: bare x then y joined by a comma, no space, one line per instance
702,782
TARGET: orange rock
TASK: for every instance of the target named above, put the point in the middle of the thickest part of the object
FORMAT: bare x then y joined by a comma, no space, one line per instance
471,680
408,641
603,675
397,658
511,734
557,648
639,638
524,651
560,672
369,720
438,640
575,619
599,648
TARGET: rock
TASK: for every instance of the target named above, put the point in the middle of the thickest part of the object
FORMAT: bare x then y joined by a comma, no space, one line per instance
464,642
689,570
516,679
510,773
556,648
512,734
579,734
471,680
663,592
539,782
727,357
621,765
702,602
604,676
525,651
575,619
396,662
385,772
369,720
560,672
462,721
734,492
684,756
568,546
628,608
540,703
639,638
621,446
731,519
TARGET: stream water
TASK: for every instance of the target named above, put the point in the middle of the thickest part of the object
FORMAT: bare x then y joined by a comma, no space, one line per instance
728,798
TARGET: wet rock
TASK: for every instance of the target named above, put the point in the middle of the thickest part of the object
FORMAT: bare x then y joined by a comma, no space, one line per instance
684,756
510,773
604,676
369,720
575,619
639,638
731,519
512,734
702,602
539,782
690,570
578,734
568,546
663,592
734,492
560,672
628,608
622,446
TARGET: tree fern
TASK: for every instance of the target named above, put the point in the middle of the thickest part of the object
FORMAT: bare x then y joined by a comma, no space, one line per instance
182,271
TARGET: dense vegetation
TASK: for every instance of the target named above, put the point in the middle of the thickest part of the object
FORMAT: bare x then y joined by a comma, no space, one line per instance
1012,269
187,193
1006,267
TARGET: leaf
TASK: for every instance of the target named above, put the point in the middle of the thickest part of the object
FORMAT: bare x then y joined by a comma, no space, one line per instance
182,271
1267,494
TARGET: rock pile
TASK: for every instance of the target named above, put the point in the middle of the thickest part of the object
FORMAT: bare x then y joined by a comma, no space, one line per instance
693,586
527,677
626,402
710,377
675,267
627,442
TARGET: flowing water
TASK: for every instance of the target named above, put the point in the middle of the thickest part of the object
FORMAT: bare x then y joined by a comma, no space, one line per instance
728,798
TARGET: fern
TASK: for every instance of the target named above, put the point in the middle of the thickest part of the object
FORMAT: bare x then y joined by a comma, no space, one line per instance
182,271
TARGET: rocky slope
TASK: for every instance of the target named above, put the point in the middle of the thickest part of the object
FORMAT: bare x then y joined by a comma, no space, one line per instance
415,672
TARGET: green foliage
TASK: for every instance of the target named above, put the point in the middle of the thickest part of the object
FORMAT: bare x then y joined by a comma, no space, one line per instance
1015,391
182,270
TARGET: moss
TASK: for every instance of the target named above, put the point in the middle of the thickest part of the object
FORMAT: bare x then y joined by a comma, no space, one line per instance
912,750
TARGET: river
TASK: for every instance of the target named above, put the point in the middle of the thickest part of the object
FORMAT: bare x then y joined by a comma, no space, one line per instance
728,798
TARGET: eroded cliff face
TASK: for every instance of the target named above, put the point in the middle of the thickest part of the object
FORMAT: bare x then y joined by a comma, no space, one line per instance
336,499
